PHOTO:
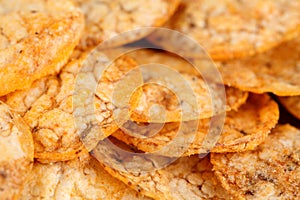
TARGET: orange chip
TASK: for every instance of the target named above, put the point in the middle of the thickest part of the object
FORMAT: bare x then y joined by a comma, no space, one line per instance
36,40
181,78
275,71
231,29
243,130
49,108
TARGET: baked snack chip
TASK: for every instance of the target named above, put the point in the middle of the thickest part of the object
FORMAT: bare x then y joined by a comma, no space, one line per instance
271,171
186,178
82,178
243,130
231,29
107,18
16,147
55,118
275,71
36,40
161,90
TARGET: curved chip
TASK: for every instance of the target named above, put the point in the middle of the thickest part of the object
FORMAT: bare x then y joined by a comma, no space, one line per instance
243,130
108,18
160,92
246,128
82,178
275,71
232,29
16,147
49,109
292,104
272,171
36,39
155,95
186,178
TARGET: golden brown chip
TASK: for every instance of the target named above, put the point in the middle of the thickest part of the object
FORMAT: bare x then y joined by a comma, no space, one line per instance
275,71
156,95
48,107
161,91
232,29
36,39
292,104
186,178
248,127
82,178
272,171
108,18
243,130
16,147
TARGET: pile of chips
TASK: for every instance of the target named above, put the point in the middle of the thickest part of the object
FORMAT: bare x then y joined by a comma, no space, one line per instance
211,111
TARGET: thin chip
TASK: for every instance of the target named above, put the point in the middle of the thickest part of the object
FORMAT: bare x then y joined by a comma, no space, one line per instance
36,40
162,91
186,178
48,107
292,104
16,146
155,95
107,18
82,178
232,29
243,130
276,71
272,171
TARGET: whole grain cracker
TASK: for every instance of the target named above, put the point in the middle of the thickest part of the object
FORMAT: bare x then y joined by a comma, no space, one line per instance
231,29
49,109
82,178
292,104
16,146
271,171
108,18
276,71
36,40
243,130
161,94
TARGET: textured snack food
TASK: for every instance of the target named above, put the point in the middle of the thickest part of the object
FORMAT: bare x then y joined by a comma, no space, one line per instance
186,178
107,18
292,104
275,71
49,109
82,178
156,95
271,171
36,40
232,29
243,130
16,146
165,91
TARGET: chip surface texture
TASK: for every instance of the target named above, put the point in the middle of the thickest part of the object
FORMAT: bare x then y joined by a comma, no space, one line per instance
232,28
16,147
36,40
272,171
